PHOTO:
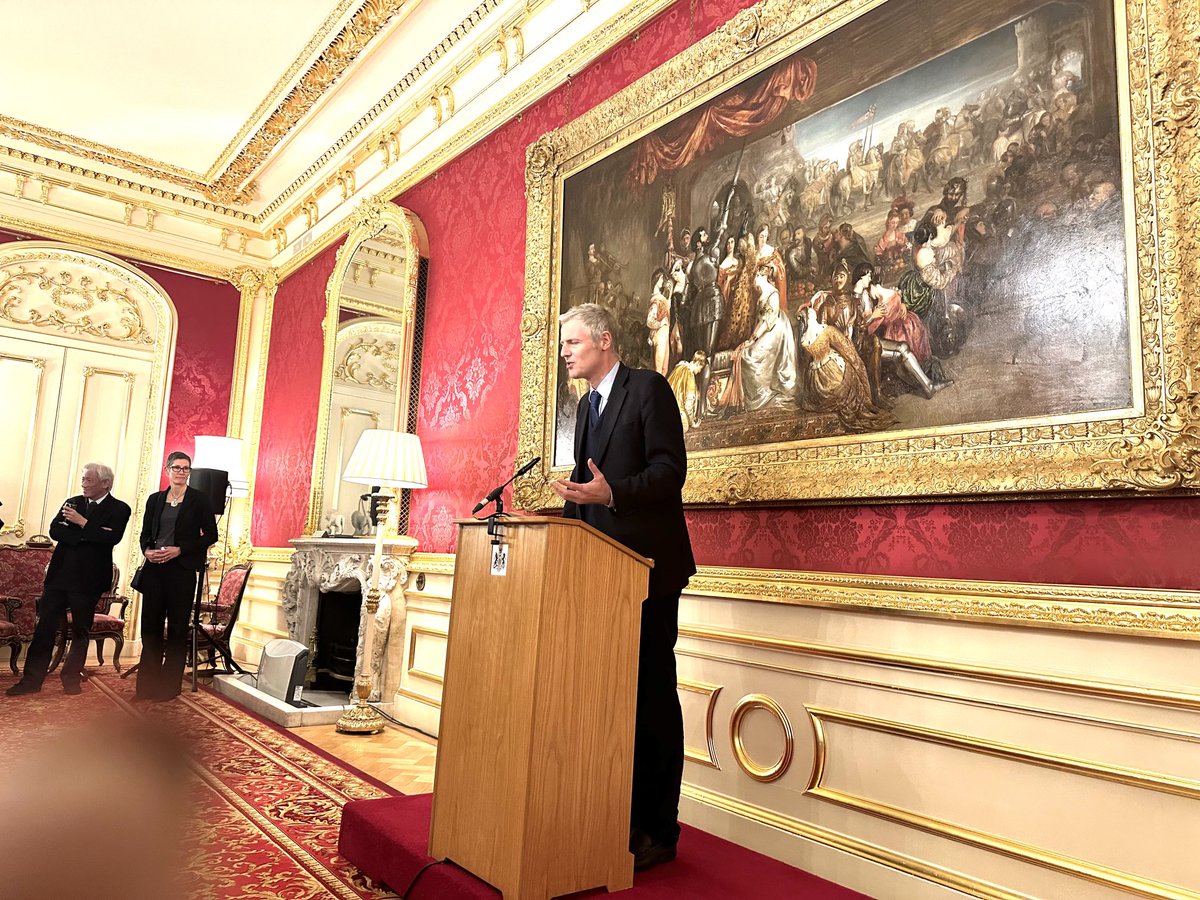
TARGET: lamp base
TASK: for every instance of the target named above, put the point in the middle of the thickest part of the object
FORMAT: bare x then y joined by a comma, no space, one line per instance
361,719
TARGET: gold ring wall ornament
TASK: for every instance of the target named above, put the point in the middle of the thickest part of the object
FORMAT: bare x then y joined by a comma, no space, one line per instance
392,239
1141,62
756,770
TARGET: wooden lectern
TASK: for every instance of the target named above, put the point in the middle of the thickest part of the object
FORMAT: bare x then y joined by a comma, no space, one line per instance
535,751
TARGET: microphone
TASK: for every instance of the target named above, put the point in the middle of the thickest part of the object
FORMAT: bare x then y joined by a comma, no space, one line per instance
494,494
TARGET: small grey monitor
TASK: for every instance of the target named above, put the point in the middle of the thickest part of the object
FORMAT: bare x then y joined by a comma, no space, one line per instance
281,670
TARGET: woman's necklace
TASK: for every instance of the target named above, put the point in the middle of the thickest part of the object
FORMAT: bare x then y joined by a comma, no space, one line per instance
175,501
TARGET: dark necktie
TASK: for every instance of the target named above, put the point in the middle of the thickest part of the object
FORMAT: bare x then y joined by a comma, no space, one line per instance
91,509
594,409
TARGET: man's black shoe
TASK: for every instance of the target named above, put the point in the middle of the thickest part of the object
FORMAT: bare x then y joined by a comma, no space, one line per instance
23,687
647,852
72,688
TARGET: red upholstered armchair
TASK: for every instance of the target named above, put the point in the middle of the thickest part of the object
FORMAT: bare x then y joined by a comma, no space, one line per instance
105,625
22,572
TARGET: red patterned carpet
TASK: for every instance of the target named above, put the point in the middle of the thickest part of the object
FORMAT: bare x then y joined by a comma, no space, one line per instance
101,800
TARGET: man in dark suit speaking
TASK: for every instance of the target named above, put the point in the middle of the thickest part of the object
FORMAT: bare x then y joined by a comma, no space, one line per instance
88,527
630,465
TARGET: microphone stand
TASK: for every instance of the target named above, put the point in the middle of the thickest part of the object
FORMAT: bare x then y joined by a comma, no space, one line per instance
201,582
497,496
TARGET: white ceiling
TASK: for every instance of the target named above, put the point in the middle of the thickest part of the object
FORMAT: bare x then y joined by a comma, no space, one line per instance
166,80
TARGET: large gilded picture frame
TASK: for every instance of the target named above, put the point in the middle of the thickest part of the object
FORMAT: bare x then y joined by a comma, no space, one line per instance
1063,357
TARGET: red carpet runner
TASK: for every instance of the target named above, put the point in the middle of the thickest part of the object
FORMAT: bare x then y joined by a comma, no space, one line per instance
387,838
257,813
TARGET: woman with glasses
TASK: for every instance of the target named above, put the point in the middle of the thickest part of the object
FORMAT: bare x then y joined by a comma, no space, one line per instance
177,530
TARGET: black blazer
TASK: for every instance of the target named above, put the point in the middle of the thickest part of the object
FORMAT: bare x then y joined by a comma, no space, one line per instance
195,529
82,560
642,455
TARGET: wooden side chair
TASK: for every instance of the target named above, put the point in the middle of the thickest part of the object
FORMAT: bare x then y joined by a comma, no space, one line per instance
105,626
218,617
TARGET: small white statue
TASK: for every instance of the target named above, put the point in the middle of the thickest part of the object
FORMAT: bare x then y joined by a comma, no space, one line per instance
336,523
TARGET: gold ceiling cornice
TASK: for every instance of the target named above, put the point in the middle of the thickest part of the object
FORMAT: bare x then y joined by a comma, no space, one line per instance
320,36
231,185
385,103
114,156
94,241
382,129
370,20
115,180
634,15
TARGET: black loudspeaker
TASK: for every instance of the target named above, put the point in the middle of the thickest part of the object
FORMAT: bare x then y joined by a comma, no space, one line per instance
214,483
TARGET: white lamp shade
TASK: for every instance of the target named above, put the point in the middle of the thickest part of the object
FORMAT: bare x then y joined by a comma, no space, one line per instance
225,454
388,459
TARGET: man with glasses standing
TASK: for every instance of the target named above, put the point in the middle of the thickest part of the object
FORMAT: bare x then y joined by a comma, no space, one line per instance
177,530
86,530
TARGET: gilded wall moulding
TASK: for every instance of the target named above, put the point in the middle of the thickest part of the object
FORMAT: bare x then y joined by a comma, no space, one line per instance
377,221
1146,612
132,251
53,290
1085,140
369,361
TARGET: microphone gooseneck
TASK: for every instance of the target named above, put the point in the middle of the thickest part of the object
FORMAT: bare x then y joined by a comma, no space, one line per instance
493,496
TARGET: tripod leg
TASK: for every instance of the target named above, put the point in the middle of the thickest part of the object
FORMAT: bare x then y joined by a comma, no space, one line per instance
201,581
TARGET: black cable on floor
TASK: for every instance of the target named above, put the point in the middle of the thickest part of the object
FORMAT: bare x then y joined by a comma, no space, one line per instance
395,721
412,884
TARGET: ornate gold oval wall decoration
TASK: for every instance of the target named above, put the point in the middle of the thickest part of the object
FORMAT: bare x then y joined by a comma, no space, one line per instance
756,770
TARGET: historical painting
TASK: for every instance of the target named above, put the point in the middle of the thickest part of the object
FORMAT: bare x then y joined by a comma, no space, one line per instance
918,226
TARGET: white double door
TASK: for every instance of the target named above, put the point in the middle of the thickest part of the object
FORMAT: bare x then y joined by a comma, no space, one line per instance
63,404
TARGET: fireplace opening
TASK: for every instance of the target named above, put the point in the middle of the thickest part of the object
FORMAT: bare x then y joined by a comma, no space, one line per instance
338,613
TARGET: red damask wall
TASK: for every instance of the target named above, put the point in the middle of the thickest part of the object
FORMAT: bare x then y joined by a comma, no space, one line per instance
474,212
290,402
204,350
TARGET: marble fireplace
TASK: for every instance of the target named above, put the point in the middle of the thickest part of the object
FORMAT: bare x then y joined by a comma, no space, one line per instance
344,564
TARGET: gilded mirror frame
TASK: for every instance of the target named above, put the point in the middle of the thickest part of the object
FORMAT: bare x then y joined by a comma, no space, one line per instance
369,219
1153,446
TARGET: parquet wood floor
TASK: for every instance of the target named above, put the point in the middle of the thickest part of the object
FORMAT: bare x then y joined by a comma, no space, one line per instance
399,757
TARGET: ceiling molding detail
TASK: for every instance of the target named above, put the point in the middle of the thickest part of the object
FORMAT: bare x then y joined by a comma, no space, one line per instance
458,86
231,186
385,103
340,52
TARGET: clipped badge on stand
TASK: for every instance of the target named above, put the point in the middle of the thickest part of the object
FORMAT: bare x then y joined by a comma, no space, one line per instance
499,559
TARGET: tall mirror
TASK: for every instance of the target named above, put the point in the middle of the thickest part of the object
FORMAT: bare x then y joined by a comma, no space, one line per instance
373,310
